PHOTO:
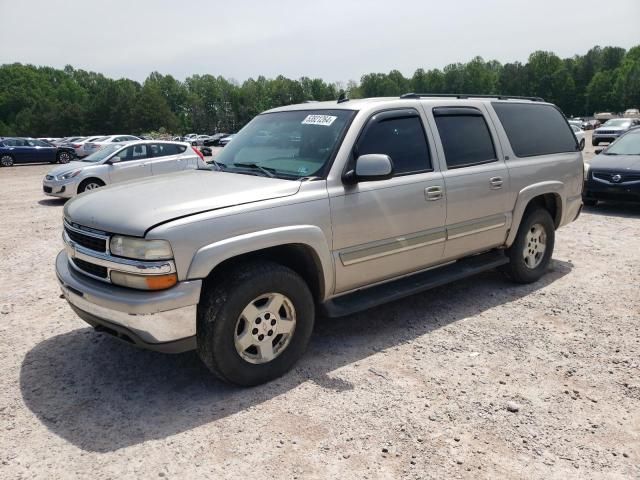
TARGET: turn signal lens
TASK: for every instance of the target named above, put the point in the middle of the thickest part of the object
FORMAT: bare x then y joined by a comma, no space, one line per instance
144,282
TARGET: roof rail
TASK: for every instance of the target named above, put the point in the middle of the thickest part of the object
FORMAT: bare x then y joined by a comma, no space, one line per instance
465,96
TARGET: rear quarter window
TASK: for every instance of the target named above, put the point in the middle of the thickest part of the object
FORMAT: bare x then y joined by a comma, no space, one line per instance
535,129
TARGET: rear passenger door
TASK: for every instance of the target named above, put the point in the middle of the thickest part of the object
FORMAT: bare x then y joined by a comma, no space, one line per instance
476,180
386,228
167,158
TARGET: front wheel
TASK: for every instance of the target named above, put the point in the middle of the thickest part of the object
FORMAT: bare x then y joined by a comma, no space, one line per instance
531,252
6,161
595,143
582,144
254,325
90,184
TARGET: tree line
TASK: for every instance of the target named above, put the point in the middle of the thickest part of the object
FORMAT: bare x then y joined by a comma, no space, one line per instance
44,101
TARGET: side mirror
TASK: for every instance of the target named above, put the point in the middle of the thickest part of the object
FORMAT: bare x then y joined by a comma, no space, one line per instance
370,167
114,159
599,151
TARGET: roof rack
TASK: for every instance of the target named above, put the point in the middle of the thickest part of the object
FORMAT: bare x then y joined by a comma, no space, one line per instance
465,96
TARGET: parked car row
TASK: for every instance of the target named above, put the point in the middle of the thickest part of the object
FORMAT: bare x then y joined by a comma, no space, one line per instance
215,140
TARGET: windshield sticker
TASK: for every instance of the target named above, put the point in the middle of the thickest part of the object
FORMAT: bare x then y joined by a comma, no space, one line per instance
324,120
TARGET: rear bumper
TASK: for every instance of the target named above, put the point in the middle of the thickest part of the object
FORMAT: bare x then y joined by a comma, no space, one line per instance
164,320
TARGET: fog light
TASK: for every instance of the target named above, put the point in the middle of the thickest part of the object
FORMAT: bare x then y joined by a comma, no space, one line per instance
144,282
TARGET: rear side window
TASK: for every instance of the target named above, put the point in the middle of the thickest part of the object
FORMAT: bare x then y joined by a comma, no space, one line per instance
535,129
403,139
465,137
166,149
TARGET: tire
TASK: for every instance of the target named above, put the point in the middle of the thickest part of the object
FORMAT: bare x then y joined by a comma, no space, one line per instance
595,143
90,184
235,313
64,157
6,161
582,143
590,202
527,263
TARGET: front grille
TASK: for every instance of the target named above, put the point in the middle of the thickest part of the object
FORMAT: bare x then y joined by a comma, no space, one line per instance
90,268
625,177
87,241
607,132
46,189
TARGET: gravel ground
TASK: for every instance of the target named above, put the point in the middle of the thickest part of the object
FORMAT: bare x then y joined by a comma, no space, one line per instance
478,379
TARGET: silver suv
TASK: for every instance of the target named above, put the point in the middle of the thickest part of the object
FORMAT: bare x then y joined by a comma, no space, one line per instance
329,207
119,162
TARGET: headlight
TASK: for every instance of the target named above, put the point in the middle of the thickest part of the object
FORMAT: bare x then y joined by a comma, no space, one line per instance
586,171
144,282
68,175
140,249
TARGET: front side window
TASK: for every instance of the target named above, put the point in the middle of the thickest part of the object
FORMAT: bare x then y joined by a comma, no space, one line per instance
290,145
402,139
465,137
134,152
535,129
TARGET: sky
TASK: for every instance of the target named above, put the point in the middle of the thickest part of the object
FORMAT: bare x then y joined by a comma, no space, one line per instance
333,40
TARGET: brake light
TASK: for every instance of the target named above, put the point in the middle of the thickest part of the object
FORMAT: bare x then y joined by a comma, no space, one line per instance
198,152
76,145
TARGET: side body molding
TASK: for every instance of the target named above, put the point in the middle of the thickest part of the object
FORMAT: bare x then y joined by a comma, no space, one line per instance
210,256
524,197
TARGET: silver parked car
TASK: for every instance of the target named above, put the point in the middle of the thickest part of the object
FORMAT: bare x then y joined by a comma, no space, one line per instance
337,207
612,129
97,144
118,163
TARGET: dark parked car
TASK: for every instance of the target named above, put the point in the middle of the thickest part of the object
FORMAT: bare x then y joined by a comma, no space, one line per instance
614,174
31,150
214,140
590,124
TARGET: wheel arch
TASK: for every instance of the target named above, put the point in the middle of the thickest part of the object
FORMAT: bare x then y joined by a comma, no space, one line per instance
545,195
304,249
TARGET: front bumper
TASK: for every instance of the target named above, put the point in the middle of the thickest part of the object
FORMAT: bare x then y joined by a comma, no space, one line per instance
60,188
162,320
597,190
605,137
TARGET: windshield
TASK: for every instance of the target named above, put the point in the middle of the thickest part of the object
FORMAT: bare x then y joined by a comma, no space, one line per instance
617,123
626,145
289,145
102,154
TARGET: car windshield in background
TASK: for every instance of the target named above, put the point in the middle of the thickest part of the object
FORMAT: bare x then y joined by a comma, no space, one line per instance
617,123
626,145
287,145
102,154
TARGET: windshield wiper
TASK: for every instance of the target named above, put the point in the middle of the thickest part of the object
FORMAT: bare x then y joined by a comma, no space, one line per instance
269,172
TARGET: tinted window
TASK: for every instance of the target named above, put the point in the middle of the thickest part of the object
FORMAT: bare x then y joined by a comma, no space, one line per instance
37,143
165,149
135,152
465,138
402,139
535,129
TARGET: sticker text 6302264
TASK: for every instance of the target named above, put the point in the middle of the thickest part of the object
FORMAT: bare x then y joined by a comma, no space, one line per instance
324,120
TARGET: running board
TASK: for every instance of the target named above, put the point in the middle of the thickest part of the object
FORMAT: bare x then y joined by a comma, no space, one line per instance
417,283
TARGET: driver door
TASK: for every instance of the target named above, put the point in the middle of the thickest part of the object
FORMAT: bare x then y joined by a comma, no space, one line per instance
134,163
386,228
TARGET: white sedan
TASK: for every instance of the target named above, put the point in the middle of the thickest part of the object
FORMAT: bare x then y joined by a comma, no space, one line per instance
99,143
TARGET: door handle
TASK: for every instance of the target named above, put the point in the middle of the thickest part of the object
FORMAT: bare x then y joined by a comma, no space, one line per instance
496,183
433,193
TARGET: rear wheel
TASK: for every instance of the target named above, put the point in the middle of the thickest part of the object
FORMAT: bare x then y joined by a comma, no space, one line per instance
531,252
256,324
6,160
64,157
90,184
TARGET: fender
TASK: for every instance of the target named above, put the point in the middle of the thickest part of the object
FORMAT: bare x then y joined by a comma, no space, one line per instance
526,195
212,255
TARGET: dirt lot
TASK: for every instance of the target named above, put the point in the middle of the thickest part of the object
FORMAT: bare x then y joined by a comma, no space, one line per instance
416,389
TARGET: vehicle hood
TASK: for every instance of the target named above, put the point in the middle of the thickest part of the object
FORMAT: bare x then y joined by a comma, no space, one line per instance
615,129
615,162
68,167
132,208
